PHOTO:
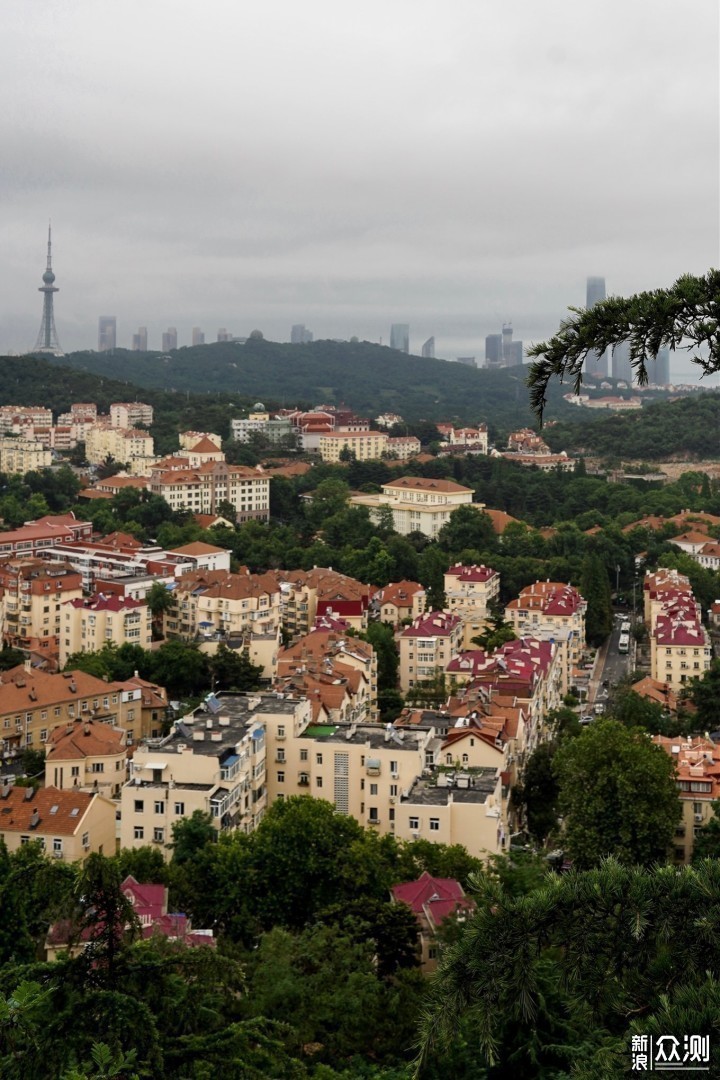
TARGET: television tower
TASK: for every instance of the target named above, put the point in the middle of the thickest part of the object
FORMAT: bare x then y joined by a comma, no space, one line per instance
47,339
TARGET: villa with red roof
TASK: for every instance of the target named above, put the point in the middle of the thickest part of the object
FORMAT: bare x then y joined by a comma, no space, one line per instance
400,600
697,764
469,592
433,900
427,646
552,610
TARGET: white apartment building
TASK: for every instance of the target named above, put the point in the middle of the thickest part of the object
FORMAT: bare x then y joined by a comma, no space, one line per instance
131,414
418,504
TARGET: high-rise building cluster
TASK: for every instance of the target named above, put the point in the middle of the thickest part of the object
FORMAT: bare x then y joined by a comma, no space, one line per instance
400,337
300,335
501,350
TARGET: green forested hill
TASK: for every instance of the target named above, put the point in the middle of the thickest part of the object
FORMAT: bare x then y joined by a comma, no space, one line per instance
28,381
369,378
690,427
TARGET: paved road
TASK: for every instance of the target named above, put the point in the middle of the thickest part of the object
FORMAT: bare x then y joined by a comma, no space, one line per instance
613,665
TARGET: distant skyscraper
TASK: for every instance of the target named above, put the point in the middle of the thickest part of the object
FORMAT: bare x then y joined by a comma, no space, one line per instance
400,337
169,339
300,335
223,334
139,340
428,349
493,350
659,371
198,337
47,339
621,366
512,351
596,363
107,333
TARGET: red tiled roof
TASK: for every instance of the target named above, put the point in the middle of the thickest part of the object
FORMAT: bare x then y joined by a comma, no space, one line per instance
54,811
416,893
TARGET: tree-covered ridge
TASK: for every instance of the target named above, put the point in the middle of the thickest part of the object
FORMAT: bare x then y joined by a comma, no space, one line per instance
370,378
661,430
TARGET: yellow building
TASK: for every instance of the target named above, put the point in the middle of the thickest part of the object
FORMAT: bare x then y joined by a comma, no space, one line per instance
33,702
400,600
23,455
427,646
466,808
33,594
68,825
469,592
697,765
364,445
89,624
87,756
120,444
307,594
679,650
418,504
214,761
203,488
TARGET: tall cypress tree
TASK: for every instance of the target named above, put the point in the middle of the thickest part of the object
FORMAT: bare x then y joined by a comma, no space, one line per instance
595,587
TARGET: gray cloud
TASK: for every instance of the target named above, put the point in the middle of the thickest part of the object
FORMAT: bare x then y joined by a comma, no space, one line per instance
449,164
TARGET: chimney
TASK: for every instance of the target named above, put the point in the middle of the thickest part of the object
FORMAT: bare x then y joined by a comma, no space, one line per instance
27,665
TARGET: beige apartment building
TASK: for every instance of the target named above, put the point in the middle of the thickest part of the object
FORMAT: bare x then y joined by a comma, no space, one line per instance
131,414
241,609
202,489
88,756
697,764
34,702
364,445
213,761
15,417
68,825
23,455
679,650
32,595
120,444
89,624
399,601
459,808
427,646
469,591
551,609
320,651
306,595
418,504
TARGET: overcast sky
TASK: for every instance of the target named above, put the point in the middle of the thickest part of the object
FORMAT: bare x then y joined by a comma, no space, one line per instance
452,164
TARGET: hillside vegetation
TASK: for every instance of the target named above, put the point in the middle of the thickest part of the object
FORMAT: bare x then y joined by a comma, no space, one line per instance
369,378
689,427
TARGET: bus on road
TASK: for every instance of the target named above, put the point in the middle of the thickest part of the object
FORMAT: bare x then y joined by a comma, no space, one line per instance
624,645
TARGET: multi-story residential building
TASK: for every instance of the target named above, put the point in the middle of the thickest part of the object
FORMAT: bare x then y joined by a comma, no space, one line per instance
697,765
403,447
35,537
320,651
427,646
363,445
121,444
466,809
213,761
32,595
68,825
188,439
662,589
23,455
87,756
241,609
554,610
33,702
89,624
469,592
259,422
399,601
131,414
306,595
203,489
201,556
679,649
15,417
418,504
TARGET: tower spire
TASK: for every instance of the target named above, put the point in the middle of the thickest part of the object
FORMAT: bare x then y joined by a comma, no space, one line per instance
47,339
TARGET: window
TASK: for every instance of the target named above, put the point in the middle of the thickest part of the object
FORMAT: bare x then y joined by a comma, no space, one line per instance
414,823
139,806
393,790
318,759
281,732
159,806
24,839
434,824
86,839
57,846
303,755
97,766
159,836
44,734
139,832
373,814
74,770
318,781
180,808
373,789
281,778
